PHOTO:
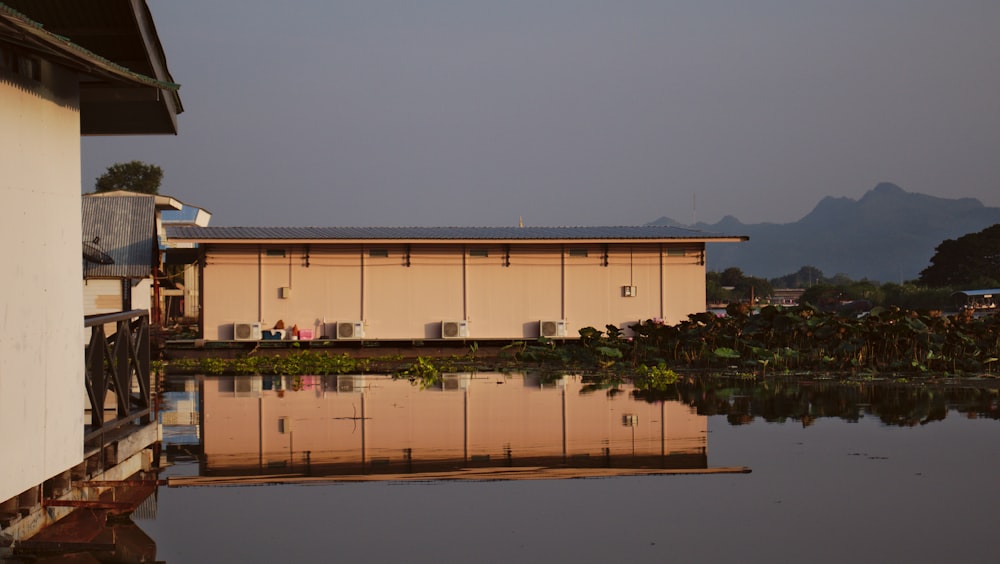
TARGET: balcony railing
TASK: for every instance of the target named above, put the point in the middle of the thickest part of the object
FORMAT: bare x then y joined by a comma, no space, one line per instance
118,362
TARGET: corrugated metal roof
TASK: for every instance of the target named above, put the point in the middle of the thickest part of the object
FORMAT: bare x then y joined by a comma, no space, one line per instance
986,292
123,227
646,232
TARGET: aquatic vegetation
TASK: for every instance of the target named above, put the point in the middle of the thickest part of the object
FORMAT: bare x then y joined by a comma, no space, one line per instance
296,363
657,378
887,340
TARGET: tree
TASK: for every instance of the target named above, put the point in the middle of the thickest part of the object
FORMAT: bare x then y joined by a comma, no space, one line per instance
804,278
969,261
753,288
134,176
731,276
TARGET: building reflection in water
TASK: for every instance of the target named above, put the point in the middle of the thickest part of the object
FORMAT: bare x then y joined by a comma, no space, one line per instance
375,426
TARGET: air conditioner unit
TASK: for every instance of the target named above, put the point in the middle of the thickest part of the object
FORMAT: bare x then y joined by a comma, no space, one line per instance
454,329
246,331
350,329
451,382
552,328
246,386
347,384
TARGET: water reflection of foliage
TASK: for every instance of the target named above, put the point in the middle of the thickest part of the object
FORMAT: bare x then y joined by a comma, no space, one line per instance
744,400
296,363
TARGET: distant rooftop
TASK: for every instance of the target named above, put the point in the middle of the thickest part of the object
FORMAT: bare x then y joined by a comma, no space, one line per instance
188,215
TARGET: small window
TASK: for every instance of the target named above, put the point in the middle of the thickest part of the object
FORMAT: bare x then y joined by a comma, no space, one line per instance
479,253
30,68
578,252
676,252
378,253
275,252
18,63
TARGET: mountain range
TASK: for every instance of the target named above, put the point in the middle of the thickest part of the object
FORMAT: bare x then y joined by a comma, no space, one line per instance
889,235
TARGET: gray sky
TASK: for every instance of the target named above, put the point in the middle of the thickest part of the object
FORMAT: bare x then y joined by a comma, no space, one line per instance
569,112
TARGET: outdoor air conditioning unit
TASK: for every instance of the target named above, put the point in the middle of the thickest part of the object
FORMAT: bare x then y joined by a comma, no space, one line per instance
552,328
350,329
347,384
452,382
454,329
246,331
246,386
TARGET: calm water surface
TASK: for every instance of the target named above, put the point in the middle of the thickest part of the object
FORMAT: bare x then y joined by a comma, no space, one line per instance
862,472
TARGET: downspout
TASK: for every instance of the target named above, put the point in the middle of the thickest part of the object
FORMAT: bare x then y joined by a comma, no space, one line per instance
465,281
562,275
157,312
361,306
663,281
202,264
260,283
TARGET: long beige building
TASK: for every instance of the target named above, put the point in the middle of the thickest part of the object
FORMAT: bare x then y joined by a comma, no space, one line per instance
356,424
445,282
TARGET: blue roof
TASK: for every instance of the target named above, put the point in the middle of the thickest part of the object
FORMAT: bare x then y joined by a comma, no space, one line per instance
989,292
186,213
645,232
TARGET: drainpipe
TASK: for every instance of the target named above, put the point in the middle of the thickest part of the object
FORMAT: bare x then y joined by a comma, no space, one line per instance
361,306
663,281
202,264
465,279
260,283
562,274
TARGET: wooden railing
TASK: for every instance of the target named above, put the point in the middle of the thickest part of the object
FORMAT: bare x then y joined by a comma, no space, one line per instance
118,362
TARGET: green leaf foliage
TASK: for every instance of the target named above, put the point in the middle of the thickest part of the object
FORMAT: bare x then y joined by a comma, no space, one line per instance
133,176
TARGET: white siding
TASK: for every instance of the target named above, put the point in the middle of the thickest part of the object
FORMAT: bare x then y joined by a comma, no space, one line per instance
41,361
102,295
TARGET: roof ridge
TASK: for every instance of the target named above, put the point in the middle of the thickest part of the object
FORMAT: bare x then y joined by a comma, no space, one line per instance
37,28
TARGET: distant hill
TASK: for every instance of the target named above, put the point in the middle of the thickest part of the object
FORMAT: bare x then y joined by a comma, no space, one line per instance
889,235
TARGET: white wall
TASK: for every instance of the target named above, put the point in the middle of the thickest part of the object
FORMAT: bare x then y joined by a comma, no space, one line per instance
101,295
41,310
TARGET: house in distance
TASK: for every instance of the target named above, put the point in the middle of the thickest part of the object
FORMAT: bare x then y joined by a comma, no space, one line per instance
416,283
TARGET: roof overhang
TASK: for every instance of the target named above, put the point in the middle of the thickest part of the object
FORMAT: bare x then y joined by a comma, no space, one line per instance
125,86
445,236
452,241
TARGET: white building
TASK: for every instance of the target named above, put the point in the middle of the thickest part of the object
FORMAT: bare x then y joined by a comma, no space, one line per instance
66,69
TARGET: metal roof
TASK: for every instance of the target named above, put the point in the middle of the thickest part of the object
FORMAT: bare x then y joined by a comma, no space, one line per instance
987,292
256,234
126,87
124,228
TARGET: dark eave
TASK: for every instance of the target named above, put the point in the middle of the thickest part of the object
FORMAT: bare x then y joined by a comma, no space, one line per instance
125,88
470,235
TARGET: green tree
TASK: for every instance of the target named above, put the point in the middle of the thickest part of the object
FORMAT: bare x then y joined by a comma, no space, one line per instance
714,292
731,276
972,260
753,288
804,278
134,176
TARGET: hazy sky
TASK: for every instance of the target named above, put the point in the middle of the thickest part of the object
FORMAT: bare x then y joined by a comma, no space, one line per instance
569,112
